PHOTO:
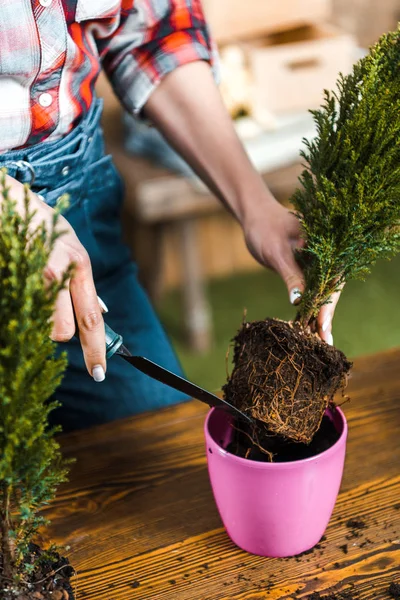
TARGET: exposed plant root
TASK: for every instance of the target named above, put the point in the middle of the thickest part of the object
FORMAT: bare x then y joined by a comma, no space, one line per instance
284,377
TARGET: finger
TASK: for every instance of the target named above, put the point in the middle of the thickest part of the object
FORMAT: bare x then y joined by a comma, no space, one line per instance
88,317
325,318
298,243
291,274
63,318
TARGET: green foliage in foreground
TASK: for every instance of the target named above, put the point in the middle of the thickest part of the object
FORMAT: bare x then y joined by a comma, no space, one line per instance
31,466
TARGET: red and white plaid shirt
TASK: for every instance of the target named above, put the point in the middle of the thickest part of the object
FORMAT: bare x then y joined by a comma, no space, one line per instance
51,51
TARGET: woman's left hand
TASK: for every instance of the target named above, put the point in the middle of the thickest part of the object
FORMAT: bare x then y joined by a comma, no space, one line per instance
272,234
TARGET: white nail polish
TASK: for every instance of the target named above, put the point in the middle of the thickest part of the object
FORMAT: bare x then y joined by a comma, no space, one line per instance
102,304
326,323
98,373
330,339
295,296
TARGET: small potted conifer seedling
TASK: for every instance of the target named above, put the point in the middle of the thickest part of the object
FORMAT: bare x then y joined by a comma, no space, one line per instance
276,483
31,466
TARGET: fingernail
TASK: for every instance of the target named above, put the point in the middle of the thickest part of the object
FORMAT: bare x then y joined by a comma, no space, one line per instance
103,305
330,339
98,373
295,296
326,323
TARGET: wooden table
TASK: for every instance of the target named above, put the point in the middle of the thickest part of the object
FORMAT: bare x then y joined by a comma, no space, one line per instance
141,521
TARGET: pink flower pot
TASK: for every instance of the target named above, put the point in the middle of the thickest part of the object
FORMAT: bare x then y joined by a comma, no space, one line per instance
273,509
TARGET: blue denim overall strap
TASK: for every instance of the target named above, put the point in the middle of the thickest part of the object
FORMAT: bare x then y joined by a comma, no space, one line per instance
77,165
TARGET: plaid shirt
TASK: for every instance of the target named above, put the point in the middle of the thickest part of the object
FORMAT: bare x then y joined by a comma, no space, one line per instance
51,51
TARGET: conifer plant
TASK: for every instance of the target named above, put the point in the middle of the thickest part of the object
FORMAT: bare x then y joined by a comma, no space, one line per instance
31,466
348,204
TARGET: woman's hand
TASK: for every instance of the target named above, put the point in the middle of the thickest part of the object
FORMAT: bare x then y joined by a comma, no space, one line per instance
272,235
80,296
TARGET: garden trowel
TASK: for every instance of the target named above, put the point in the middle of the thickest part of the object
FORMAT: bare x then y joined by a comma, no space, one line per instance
114,345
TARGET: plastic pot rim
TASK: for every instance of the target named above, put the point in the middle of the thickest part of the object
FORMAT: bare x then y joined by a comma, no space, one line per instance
216,447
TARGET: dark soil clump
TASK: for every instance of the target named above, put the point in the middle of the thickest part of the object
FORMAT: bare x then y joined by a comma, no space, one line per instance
394,590
345,595
355,526
356,523
49,581
279,449
284,377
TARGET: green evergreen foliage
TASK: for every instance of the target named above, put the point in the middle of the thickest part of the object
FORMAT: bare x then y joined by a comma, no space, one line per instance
31,466
349,201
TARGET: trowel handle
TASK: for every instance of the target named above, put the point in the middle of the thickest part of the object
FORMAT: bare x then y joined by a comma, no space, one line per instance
113,341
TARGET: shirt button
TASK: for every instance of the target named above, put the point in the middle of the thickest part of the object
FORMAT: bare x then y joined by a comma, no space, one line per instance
45,3
65,171
45,99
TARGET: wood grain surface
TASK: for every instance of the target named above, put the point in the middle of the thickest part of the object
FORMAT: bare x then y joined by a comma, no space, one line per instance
140,519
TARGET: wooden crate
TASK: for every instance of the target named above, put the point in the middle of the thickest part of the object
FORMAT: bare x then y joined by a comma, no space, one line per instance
290,70
234,19
366,19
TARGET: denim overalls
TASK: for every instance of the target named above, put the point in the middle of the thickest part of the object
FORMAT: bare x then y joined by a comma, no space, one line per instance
78,166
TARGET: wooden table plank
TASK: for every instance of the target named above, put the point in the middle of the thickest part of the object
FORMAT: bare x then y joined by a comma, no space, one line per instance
139,515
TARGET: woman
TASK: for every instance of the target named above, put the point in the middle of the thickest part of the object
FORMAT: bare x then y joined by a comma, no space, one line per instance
159,58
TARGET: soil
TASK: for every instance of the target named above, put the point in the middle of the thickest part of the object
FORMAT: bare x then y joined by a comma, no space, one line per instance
279,449
355,523
355,526
50,581
394,590
345,595
284,377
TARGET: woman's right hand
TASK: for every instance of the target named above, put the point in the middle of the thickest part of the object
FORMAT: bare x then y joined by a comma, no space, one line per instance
79,296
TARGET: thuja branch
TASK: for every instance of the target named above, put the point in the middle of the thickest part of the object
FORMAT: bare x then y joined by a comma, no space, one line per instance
31,466
348,202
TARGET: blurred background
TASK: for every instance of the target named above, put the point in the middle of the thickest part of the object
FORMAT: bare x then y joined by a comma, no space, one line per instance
276,58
